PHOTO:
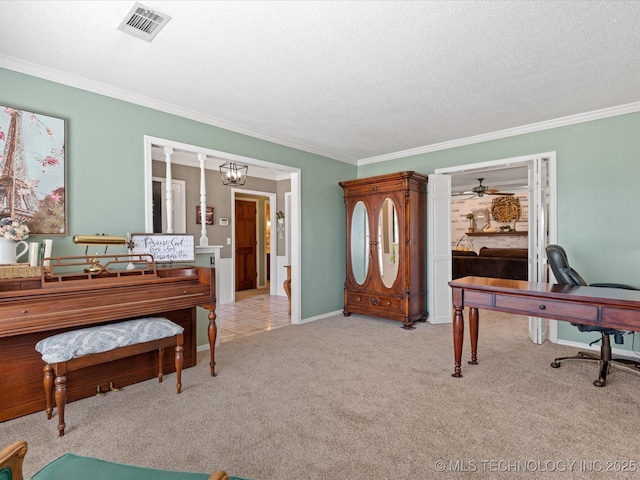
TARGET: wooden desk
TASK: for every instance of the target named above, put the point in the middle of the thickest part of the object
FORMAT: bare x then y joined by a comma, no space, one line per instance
607,307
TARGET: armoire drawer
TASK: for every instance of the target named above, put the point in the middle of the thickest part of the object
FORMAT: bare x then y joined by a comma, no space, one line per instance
375,301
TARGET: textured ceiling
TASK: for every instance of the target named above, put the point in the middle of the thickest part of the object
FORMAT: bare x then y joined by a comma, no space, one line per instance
350,80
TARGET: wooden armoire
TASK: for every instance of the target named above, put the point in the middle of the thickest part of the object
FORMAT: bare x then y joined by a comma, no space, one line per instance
386,247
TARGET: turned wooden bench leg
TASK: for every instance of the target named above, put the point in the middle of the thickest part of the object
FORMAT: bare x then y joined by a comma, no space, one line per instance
179,362
48,389
61,394
160,360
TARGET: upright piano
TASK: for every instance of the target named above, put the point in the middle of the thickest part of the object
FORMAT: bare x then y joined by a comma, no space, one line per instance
75,292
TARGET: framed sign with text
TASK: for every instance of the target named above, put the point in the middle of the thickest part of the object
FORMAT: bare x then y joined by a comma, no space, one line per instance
165,247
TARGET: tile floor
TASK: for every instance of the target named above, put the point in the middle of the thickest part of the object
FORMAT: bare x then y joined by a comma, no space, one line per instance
253,312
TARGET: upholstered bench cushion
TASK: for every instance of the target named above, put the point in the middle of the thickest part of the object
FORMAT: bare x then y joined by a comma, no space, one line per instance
75,467
85,341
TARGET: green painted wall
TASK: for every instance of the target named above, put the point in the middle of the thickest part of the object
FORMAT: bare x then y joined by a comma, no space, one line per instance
598,170
105,175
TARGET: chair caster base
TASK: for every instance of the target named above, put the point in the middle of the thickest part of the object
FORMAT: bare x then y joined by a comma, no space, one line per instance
555,364
599,383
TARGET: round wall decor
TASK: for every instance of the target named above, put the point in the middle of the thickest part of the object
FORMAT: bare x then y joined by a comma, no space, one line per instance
506,209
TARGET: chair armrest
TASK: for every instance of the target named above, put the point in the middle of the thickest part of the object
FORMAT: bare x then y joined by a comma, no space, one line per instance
613,285
219,475
12,457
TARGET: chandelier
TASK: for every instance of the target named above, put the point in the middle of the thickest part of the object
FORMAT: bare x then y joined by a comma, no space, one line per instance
233,173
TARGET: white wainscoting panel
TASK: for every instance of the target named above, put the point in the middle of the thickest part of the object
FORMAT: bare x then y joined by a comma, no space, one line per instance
226,281
281,275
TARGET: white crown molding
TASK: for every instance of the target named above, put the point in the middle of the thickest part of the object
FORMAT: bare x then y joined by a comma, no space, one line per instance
29,68
509,132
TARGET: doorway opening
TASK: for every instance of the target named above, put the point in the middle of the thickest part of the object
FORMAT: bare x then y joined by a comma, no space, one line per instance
540,184
246,243
257,306
208,160
252,226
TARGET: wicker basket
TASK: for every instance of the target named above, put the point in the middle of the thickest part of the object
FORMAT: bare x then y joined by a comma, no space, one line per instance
18,270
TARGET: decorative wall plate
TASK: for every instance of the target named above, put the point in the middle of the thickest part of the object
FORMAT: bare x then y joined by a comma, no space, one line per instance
506,209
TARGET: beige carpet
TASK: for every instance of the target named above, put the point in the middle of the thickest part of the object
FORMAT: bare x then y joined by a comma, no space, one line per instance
361,398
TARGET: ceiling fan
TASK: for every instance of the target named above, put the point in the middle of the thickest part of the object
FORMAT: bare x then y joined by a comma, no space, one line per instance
480,190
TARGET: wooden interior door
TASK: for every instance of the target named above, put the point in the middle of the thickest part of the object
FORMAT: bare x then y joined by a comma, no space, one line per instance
246,245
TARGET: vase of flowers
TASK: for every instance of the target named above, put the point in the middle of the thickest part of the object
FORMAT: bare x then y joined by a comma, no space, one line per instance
13,232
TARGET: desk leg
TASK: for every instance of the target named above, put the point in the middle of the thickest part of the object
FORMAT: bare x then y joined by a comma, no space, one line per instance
458,332
212,331
473,334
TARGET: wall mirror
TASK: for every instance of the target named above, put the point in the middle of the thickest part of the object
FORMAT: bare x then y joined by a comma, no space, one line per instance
388,243
360,243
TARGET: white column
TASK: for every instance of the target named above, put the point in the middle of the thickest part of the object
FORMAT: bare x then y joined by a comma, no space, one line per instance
204,240
168,151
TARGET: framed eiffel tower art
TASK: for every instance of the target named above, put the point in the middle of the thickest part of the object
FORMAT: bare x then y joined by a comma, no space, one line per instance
32,170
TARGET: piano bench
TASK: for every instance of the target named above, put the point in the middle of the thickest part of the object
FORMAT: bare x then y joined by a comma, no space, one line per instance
86,347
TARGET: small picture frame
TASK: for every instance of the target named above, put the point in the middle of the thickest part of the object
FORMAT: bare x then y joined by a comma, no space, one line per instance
208,216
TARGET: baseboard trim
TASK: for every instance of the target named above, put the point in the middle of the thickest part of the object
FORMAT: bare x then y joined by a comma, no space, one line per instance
618,352
433,321
319,317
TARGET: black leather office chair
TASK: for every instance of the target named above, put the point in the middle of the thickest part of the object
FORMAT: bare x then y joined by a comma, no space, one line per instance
565,275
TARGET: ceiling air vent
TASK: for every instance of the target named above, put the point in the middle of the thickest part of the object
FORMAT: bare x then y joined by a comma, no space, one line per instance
142,22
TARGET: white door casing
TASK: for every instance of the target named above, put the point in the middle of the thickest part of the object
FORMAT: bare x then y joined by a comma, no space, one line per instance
538,231
439,248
